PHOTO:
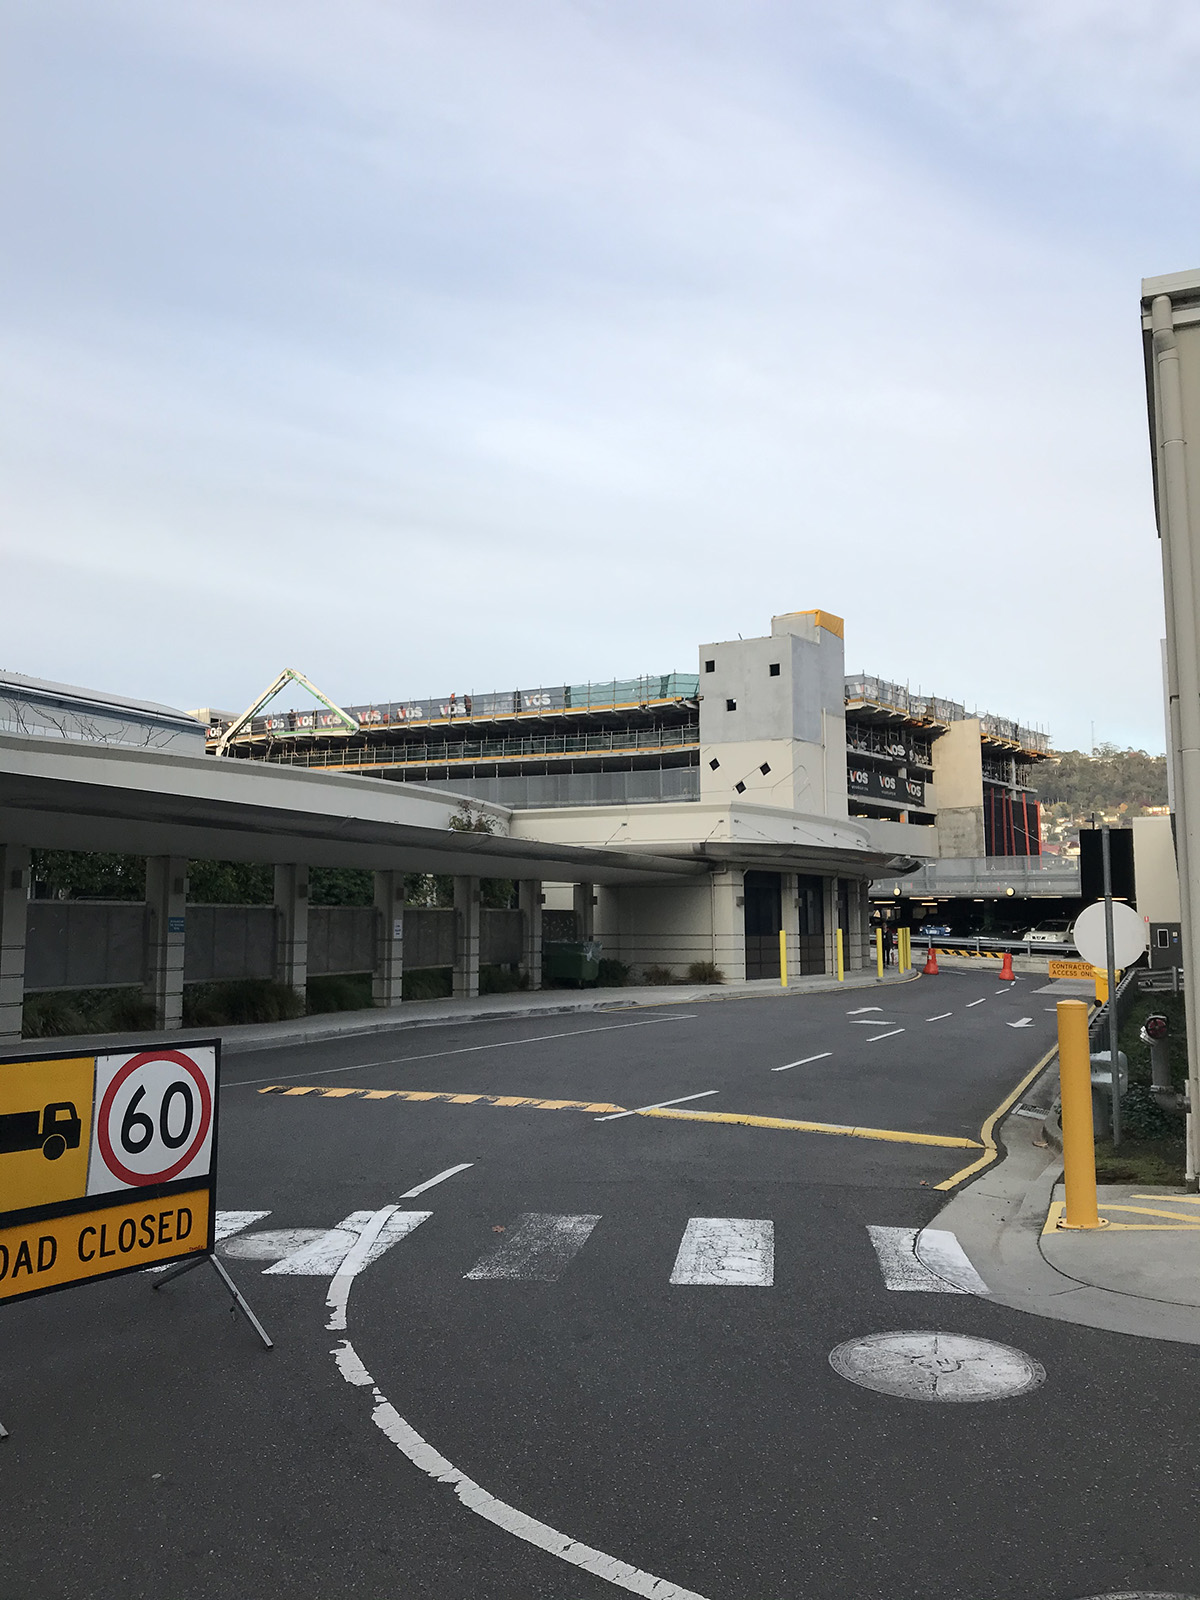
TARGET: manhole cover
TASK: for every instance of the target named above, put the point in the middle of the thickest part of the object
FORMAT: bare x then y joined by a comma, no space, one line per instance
937,1366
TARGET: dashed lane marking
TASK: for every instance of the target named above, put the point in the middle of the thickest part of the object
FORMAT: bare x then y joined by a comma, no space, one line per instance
890,1035
788,1065
941,1016
613,1116
745,1119
971,1003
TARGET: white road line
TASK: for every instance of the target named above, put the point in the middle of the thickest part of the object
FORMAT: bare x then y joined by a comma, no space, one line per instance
411,1194
925,1261
726,1250
858,1010
890,1035
874,1022
538,1249
333,1249
941,1016
789,1064
363,1252
614,1116
465,1050
423,1455
976,1002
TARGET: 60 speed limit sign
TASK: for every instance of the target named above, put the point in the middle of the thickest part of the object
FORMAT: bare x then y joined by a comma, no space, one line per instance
154,1118
107,1163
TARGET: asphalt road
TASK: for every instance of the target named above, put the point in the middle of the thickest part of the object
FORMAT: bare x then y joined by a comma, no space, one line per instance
694,1432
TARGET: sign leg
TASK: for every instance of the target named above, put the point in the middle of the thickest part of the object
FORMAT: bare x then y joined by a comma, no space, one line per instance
178,1270
240,1302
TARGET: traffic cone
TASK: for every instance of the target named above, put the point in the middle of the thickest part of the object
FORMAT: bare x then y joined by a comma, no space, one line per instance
1006,971
930,969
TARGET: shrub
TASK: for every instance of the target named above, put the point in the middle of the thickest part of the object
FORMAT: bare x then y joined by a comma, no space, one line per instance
50,1016
427,983
704,972
349,991
613,974
1143,1118
241,1000
501,980
657,974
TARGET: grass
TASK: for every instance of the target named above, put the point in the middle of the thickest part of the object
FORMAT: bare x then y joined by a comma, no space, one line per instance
1148,1161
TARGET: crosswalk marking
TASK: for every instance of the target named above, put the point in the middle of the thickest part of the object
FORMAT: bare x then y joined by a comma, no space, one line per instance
537,1250
323,1256
726,1250
924,1261
231,1222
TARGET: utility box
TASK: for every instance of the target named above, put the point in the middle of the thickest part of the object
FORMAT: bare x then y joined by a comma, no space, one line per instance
576,962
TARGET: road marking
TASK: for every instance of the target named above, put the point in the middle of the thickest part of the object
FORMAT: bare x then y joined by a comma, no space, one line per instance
1178,1222
498,1512
858,1010
941,1016
465,1050
425,1096
976,1002
787,1066
890,1035
538,1249
726,1250
411,1194
658,1104
937,1366
227,1224
745,1119
874,1022
987,1133
338,1297
1023,1022
329,1252
909,1267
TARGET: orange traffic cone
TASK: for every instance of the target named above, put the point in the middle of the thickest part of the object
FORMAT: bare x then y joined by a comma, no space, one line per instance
1006,971
930,969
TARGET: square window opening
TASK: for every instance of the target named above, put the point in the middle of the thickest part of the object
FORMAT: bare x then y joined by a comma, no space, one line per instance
710,666
774,669
731,705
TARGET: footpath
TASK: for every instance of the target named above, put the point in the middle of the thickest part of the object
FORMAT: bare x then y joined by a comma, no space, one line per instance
480,1008
1138,1275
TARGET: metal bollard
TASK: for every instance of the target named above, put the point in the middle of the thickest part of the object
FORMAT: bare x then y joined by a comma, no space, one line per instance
879,951
1079,1145
841,957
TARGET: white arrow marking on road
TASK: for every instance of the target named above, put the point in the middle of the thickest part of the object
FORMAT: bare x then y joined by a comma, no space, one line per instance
859,1011
789,1064
1025,1022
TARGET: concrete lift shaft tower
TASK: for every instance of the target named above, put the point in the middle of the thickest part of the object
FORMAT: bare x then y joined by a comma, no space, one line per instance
1171,334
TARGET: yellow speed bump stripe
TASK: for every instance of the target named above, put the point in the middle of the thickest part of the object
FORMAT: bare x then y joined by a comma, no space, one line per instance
816,1127
445,1099
742,1117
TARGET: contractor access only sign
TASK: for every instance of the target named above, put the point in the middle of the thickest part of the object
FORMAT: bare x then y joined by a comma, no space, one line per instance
107,1163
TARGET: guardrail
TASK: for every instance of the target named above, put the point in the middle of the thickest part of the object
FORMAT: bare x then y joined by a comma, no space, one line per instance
983,946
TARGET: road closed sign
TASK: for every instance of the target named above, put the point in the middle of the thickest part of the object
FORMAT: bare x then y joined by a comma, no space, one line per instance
107,1163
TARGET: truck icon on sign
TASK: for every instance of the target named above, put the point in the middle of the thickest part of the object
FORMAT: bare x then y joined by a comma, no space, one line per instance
52,1131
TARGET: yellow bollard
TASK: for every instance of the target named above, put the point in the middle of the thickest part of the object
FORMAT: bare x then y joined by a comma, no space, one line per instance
879,951
841,957
783,957
1079,1145
902,950
1100,978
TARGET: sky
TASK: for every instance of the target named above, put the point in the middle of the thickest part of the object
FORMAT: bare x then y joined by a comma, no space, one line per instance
447,345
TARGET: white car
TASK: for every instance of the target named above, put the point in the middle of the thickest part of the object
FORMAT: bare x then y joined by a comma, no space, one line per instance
1055,930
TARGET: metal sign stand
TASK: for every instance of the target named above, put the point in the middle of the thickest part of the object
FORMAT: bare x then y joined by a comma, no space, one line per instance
1110,954
239,1300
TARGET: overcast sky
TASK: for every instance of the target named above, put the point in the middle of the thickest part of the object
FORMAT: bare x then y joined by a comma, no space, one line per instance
432,345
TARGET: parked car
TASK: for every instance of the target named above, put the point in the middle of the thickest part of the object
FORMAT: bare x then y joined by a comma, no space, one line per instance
1055,930
934,930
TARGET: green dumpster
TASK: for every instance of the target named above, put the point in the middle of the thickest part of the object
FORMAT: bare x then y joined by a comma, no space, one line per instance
571,961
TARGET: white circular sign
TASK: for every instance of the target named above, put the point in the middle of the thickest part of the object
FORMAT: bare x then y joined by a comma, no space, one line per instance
154,1118
1129,934
937,1366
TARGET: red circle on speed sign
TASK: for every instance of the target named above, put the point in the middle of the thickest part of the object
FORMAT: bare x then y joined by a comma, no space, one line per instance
111,1160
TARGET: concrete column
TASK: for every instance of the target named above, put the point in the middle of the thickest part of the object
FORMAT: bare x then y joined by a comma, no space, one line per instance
14,917
529,898
291,951
466,966
727,889
387,984
166,897
585,910
789,906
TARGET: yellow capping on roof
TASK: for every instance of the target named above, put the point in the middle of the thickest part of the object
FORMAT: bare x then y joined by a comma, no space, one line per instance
823,619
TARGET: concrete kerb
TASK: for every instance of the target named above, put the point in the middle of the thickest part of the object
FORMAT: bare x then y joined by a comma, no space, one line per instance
999,1219
517,1007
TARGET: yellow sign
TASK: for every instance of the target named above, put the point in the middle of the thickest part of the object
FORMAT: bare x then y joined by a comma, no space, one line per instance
1072,969
45,1131
93,1244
